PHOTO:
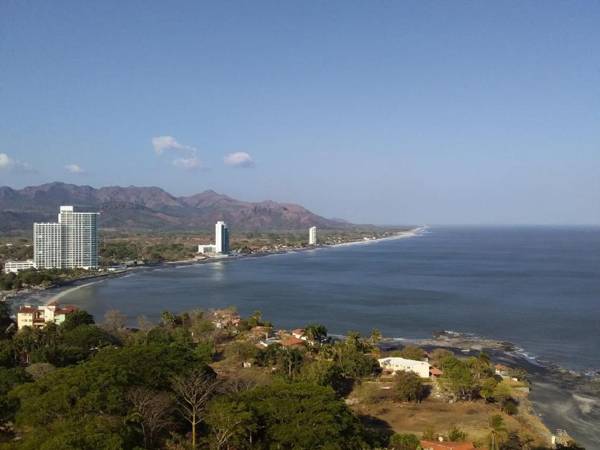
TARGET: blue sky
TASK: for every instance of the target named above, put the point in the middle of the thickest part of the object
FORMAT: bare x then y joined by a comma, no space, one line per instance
374,111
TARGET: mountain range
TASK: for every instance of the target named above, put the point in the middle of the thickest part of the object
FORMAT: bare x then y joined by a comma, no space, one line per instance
152,209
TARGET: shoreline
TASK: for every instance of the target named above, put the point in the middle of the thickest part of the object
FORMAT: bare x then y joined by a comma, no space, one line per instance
43,296
560,398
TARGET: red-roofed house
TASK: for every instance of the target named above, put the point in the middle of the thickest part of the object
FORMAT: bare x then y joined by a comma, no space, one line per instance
39,316
435,445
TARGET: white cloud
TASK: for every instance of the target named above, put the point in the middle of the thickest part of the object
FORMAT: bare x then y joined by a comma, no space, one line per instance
5,161
163,144
182,156
74,168
239,159
8,163
187,163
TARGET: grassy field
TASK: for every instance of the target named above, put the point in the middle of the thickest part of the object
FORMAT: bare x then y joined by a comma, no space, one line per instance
374,400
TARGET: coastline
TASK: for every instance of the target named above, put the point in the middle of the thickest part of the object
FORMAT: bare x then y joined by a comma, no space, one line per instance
560,398
54,293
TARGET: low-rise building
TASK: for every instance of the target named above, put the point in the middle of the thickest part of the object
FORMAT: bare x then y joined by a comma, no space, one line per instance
208,249
17,266
395,364
39,316
261,332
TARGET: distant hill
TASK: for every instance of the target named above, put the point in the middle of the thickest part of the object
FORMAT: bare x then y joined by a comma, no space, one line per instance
152,208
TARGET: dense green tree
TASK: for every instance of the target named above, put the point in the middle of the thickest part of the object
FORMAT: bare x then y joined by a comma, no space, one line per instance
324,373
481,367
39,370
9,378
411,352
488,386
352,357
5,320
231,424
302,415
8,356
408,387
437,356
291,361
355,364
77,318
458,379
99,386
84,433
316,332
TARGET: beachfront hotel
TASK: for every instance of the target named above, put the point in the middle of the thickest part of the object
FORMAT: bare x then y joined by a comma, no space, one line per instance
71,243
221,238
221,245
312,236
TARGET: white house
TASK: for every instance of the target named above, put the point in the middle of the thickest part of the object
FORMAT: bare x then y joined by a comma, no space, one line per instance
395,364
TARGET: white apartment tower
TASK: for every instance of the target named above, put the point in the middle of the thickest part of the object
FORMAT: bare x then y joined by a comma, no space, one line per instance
312,236
70,243
47,246
221,238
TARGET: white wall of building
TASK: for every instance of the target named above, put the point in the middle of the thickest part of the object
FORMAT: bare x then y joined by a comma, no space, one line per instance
396,364
70,243
17,266
312,236
207,249
221,238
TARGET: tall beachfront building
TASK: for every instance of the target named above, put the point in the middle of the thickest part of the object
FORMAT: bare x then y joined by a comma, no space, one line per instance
221,238
312,236
47,246
71,243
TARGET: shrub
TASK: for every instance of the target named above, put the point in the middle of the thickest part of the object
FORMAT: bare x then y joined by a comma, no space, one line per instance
408,387
404,441
456,434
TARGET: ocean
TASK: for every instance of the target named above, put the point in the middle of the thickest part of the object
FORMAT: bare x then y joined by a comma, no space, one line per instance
536,287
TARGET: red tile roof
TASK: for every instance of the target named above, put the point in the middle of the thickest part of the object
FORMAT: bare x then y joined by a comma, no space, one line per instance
67,309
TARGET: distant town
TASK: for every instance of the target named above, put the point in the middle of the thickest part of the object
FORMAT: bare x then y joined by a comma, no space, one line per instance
73,243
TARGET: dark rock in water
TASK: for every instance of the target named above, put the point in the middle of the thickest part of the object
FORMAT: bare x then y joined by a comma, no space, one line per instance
508,346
